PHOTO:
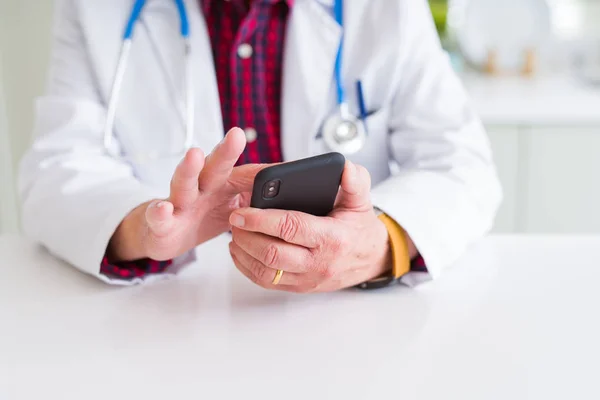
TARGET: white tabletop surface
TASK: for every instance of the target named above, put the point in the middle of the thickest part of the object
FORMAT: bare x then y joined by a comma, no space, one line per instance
544,100
517,318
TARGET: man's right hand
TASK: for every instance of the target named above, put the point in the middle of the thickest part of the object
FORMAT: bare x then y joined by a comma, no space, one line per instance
204,191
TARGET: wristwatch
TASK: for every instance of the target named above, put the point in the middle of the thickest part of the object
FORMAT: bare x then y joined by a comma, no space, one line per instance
400,258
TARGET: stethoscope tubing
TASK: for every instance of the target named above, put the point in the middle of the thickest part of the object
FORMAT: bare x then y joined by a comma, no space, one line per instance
123,61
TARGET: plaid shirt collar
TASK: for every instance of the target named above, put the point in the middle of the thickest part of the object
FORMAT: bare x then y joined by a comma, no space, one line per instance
205,4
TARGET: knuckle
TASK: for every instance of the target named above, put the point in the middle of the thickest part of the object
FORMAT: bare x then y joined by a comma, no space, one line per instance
322,260
271,255
323,270
257,273
313,267
289,226
336,244
327,272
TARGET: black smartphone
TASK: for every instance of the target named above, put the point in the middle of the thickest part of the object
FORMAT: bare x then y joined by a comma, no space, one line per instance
309,185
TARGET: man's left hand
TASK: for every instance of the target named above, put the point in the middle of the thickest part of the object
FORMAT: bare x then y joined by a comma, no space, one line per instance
317,254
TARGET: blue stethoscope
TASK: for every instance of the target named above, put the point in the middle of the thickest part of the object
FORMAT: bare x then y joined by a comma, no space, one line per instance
342,131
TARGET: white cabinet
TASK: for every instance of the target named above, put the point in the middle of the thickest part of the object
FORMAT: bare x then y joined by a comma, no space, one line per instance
505,146
562,168
550,177
545,135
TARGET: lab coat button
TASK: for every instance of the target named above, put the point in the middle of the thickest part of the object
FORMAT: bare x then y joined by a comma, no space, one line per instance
251,134
245,51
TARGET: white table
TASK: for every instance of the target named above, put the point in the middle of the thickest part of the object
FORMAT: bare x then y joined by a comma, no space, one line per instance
517,318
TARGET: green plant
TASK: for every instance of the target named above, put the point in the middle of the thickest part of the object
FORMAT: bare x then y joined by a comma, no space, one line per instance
439,10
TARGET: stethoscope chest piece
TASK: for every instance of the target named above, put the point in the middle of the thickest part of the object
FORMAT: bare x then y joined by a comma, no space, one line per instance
344,134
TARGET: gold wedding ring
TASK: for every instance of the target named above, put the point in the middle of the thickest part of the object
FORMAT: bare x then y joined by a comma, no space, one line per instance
278,276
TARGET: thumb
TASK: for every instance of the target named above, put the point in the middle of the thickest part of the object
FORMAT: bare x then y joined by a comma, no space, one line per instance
355,193
160,218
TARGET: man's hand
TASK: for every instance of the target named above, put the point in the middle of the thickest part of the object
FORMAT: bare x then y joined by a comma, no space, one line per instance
204,191
317,254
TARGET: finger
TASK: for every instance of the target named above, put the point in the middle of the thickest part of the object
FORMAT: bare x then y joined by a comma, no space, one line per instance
355,193
242,177
244,199
291,226
184,184
239,200
258,272
159,218
220,163
284,288
274,252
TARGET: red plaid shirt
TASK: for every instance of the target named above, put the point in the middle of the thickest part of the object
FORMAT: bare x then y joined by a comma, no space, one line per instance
247,40
247,44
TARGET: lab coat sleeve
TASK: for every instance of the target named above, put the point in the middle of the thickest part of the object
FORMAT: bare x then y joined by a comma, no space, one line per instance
73,195
447,192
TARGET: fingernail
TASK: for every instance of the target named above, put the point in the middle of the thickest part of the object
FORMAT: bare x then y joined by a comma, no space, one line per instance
160,204
237,220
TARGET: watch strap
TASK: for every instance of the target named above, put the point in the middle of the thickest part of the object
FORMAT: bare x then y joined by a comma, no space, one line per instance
399,246
399,249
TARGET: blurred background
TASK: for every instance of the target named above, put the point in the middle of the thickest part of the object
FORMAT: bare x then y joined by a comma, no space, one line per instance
532,68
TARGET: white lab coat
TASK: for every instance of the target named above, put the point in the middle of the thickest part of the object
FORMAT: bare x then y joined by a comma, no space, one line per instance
444,192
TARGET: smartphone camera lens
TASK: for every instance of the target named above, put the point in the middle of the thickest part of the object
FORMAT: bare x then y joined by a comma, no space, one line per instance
271,189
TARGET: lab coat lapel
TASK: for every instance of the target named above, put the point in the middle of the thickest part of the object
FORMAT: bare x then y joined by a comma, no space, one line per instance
104,53
163,23
208,117
160,22
164,46
312,42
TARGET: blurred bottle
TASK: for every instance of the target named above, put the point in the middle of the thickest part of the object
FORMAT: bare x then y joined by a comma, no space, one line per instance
530,63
